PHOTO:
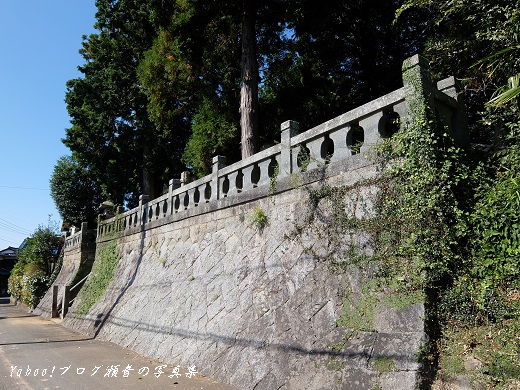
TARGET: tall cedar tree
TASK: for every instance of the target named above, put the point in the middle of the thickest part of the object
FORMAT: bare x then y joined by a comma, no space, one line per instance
314,62
111,133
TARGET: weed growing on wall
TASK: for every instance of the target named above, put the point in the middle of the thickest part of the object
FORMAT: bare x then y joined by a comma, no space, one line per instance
103,271
258,218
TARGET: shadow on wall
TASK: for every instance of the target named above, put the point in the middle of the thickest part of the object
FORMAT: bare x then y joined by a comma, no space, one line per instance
231,341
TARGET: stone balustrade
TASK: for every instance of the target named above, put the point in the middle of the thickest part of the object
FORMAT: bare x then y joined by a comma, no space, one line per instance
74,241
352,133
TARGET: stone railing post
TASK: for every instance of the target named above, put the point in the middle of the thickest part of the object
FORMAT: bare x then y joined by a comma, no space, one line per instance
459,122
419,89
289,130
65,302
54,307
143,204
173,184
185,178
84,232
219,162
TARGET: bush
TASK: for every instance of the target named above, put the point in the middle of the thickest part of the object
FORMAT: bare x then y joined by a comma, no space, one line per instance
14,285
31,275
33,288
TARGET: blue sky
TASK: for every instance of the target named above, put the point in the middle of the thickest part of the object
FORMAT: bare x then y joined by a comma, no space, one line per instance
39,43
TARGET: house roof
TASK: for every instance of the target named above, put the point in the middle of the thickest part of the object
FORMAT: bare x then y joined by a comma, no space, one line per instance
9,251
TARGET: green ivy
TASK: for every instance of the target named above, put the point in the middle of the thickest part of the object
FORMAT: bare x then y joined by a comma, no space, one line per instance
103,271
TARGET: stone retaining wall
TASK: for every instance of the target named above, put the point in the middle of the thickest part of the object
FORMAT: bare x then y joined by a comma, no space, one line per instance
258,307
78,257
234,273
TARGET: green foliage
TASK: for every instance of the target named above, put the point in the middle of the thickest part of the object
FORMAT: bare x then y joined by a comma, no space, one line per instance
103,271
359,316
497,214
493,345
476,41
258,218
34,286
274,178
471,302
508,93
111,134
31,276
76,193
212,133
426,223
14,285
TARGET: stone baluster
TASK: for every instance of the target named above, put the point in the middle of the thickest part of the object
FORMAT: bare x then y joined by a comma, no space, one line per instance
401,109
370,127
185,200
176,203
251,177
232,180
294,158
339,140
263,166
191,199
315,148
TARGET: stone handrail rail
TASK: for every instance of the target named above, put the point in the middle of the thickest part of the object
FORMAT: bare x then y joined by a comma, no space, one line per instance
354,132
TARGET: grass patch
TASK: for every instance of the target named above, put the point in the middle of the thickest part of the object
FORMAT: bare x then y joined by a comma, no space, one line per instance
495,346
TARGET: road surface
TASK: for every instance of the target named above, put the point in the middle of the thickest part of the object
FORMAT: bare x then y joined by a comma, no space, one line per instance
38,354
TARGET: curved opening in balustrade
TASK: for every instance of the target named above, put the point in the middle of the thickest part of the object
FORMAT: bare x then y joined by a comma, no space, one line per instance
150,213
157,210
196,197
255,175
165,208
143,217
389,124
273,169
207,192
186,201
239,181
304,158
176,203
225,186
355,138
327,149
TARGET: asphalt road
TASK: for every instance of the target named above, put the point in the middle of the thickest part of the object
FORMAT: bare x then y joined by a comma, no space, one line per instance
41,354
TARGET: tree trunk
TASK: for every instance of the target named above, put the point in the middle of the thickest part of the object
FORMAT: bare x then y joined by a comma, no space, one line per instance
148,182
249,87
